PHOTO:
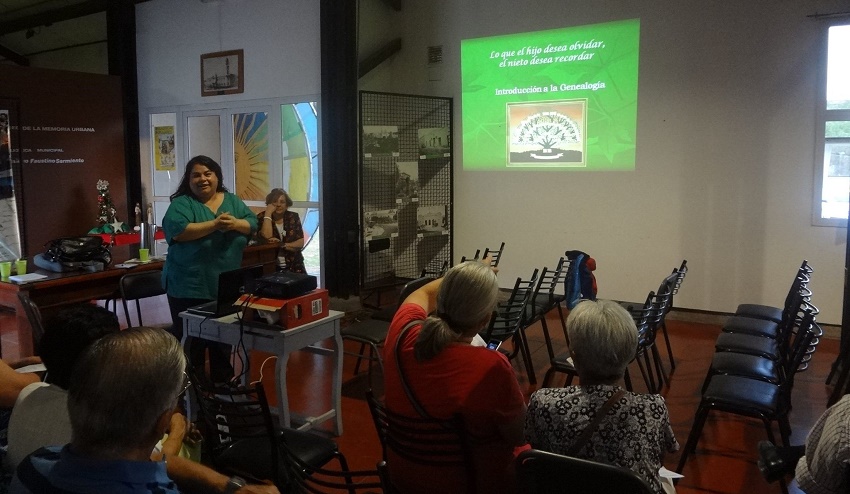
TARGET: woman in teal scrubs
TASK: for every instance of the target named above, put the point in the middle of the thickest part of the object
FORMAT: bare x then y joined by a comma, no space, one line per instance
206,228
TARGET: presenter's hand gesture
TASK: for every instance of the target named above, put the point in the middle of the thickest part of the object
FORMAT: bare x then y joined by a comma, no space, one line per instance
225,222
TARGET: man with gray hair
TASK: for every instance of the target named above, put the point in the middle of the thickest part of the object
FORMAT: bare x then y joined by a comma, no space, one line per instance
120,402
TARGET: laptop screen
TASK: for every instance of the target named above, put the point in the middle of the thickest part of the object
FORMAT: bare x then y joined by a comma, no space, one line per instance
231,285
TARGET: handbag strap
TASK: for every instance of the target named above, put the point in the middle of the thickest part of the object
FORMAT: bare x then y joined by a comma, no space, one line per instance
409,392
591,428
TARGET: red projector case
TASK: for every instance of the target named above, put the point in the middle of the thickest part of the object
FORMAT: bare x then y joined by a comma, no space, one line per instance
293,312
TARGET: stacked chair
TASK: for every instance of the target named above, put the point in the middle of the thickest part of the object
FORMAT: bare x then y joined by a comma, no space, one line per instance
649,318
757,356
680,273
545,299
494,254
507,322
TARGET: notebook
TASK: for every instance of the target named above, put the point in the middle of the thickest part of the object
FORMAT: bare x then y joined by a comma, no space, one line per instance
231,284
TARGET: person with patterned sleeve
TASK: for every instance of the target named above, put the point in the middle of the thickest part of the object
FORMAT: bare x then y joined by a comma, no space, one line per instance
636,432
824,468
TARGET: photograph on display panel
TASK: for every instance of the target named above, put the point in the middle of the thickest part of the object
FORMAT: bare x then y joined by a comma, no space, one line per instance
434,143
407,181
380,140
380,224
431,220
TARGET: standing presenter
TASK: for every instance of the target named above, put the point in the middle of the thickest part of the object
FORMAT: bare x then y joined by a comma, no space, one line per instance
277,224
206,228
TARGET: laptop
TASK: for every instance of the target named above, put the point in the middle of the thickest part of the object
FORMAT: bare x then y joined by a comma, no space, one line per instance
231,284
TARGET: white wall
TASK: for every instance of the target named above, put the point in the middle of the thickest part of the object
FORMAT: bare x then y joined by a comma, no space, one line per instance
280,40
725,150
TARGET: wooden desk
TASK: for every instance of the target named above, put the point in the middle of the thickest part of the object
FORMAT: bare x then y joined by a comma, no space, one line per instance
273,339
61,289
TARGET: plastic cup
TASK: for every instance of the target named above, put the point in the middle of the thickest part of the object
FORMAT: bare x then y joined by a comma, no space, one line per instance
21,266
5,269
144,255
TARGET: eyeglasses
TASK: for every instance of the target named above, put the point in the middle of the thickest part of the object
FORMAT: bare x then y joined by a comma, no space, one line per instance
186,383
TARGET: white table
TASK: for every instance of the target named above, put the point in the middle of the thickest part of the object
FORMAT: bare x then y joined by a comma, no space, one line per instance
270,339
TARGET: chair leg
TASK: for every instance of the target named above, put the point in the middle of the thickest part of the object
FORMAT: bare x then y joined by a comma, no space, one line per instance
369,369
570,377
663,379
359,358
785,430
669,347
343,466
647,377
563,319
627,379
548,338
526,357
708,376
693,437
649,372
547,377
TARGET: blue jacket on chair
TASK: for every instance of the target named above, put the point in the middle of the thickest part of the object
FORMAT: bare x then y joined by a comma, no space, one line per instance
580,284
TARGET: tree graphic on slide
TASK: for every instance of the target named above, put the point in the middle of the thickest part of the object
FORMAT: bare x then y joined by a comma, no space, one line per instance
547,130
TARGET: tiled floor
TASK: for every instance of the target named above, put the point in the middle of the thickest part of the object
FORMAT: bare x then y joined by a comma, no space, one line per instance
725,457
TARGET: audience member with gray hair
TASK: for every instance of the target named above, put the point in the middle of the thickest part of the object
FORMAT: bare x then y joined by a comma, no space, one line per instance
451,376
635,433
121,400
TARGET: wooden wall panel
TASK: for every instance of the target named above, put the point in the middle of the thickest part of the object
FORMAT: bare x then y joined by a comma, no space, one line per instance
72,136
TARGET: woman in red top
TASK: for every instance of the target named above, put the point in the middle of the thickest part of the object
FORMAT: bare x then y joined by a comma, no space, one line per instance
450,375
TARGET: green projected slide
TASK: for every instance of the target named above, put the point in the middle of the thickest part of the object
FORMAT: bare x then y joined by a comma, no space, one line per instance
558,99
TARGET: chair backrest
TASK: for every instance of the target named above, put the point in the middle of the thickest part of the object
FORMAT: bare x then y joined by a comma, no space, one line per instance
649,317
681,271
412,286
551,280
510,315
305,477
136,286
544,298
541,472
34,318
230,414
806,339
435,269
792,317
495,255
437,443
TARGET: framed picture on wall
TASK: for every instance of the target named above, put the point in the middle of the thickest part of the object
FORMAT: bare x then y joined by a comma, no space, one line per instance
222,73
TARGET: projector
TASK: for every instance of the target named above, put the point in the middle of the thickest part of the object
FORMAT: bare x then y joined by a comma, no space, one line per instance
282,285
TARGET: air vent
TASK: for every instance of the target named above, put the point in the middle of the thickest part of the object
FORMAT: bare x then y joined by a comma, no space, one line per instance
435,55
